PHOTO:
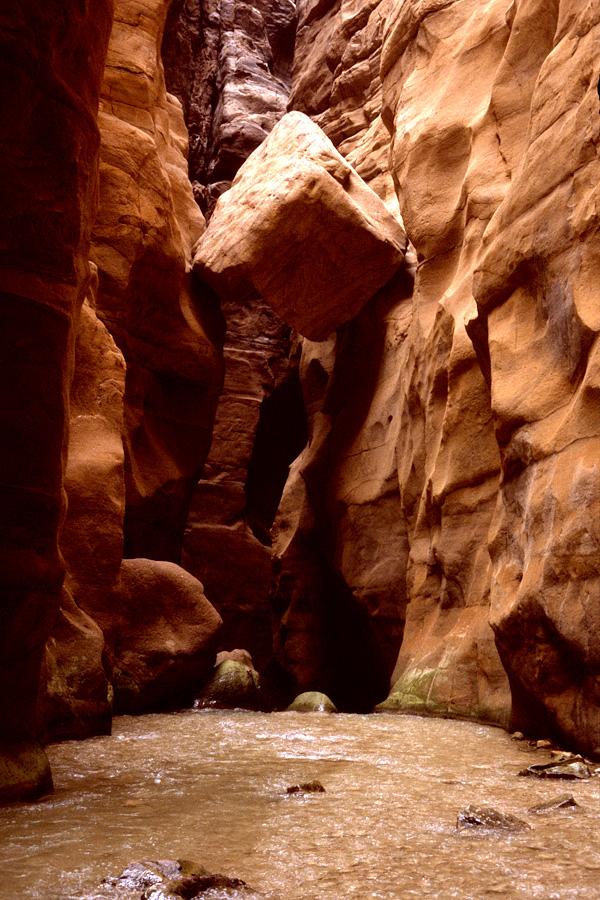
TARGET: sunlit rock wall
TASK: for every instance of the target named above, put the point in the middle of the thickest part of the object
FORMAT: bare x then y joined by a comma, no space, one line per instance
169,330
537,288
490,409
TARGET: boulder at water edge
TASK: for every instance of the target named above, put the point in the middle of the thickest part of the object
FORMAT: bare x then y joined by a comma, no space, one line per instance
312,701
234,685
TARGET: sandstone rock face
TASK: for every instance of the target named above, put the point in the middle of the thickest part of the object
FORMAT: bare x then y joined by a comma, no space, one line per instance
303,231
76,700
496,405
229,64
385,436
75,695
169,331
536,285
51,60
259,429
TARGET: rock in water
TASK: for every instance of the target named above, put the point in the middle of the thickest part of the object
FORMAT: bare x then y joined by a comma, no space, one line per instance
308,787
486,817
300,228
573,768
565,801
312,701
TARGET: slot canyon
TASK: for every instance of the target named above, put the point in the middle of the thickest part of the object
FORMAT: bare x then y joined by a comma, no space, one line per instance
299,325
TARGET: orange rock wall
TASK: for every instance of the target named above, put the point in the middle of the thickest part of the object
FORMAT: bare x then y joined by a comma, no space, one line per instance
491,412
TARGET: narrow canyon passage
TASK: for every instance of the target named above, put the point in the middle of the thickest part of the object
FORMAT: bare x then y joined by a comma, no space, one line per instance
211,786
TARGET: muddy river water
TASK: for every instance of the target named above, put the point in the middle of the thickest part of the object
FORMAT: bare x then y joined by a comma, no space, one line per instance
211,786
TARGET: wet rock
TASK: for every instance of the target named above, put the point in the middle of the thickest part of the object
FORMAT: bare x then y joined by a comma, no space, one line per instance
572,768
543,745
193,886
165,879
565,801
236,686
517,736
489,818
239,656
308,787
312,701
141,875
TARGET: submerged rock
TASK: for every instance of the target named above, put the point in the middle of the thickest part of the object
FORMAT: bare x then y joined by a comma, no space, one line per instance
487,817
308,787
312,701
565,801
574,767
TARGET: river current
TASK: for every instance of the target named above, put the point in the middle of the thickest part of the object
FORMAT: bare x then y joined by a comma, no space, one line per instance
211,786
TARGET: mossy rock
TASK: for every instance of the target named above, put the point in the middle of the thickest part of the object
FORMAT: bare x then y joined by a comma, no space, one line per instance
24,772
235,686
312,701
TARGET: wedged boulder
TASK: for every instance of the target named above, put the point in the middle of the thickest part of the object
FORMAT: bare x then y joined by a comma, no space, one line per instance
312,701
300,228
160,631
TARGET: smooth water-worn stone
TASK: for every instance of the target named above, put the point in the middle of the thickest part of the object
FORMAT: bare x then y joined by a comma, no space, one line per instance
489,818
312,701
301,229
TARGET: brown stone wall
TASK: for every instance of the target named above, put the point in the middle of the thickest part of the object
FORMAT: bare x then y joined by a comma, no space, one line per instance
51,63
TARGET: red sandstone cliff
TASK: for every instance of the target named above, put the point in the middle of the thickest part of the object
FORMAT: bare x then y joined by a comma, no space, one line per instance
440,529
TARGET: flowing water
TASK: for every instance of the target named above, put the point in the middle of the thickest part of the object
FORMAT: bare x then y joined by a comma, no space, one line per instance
211,787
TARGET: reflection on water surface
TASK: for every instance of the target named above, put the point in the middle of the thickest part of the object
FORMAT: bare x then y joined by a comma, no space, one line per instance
211,786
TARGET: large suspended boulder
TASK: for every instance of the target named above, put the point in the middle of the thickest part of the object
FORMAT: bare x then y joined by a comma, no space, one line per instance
300,228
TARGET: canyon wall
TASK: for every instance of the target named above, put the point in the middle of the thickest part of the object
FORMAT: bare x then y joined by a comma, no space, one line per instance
401,504
491,412
51,77
102,442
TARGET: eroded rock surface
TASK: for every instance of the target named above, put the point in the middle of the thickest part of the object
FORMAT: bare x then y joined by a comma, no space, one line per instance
230,65
495,407
169,331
